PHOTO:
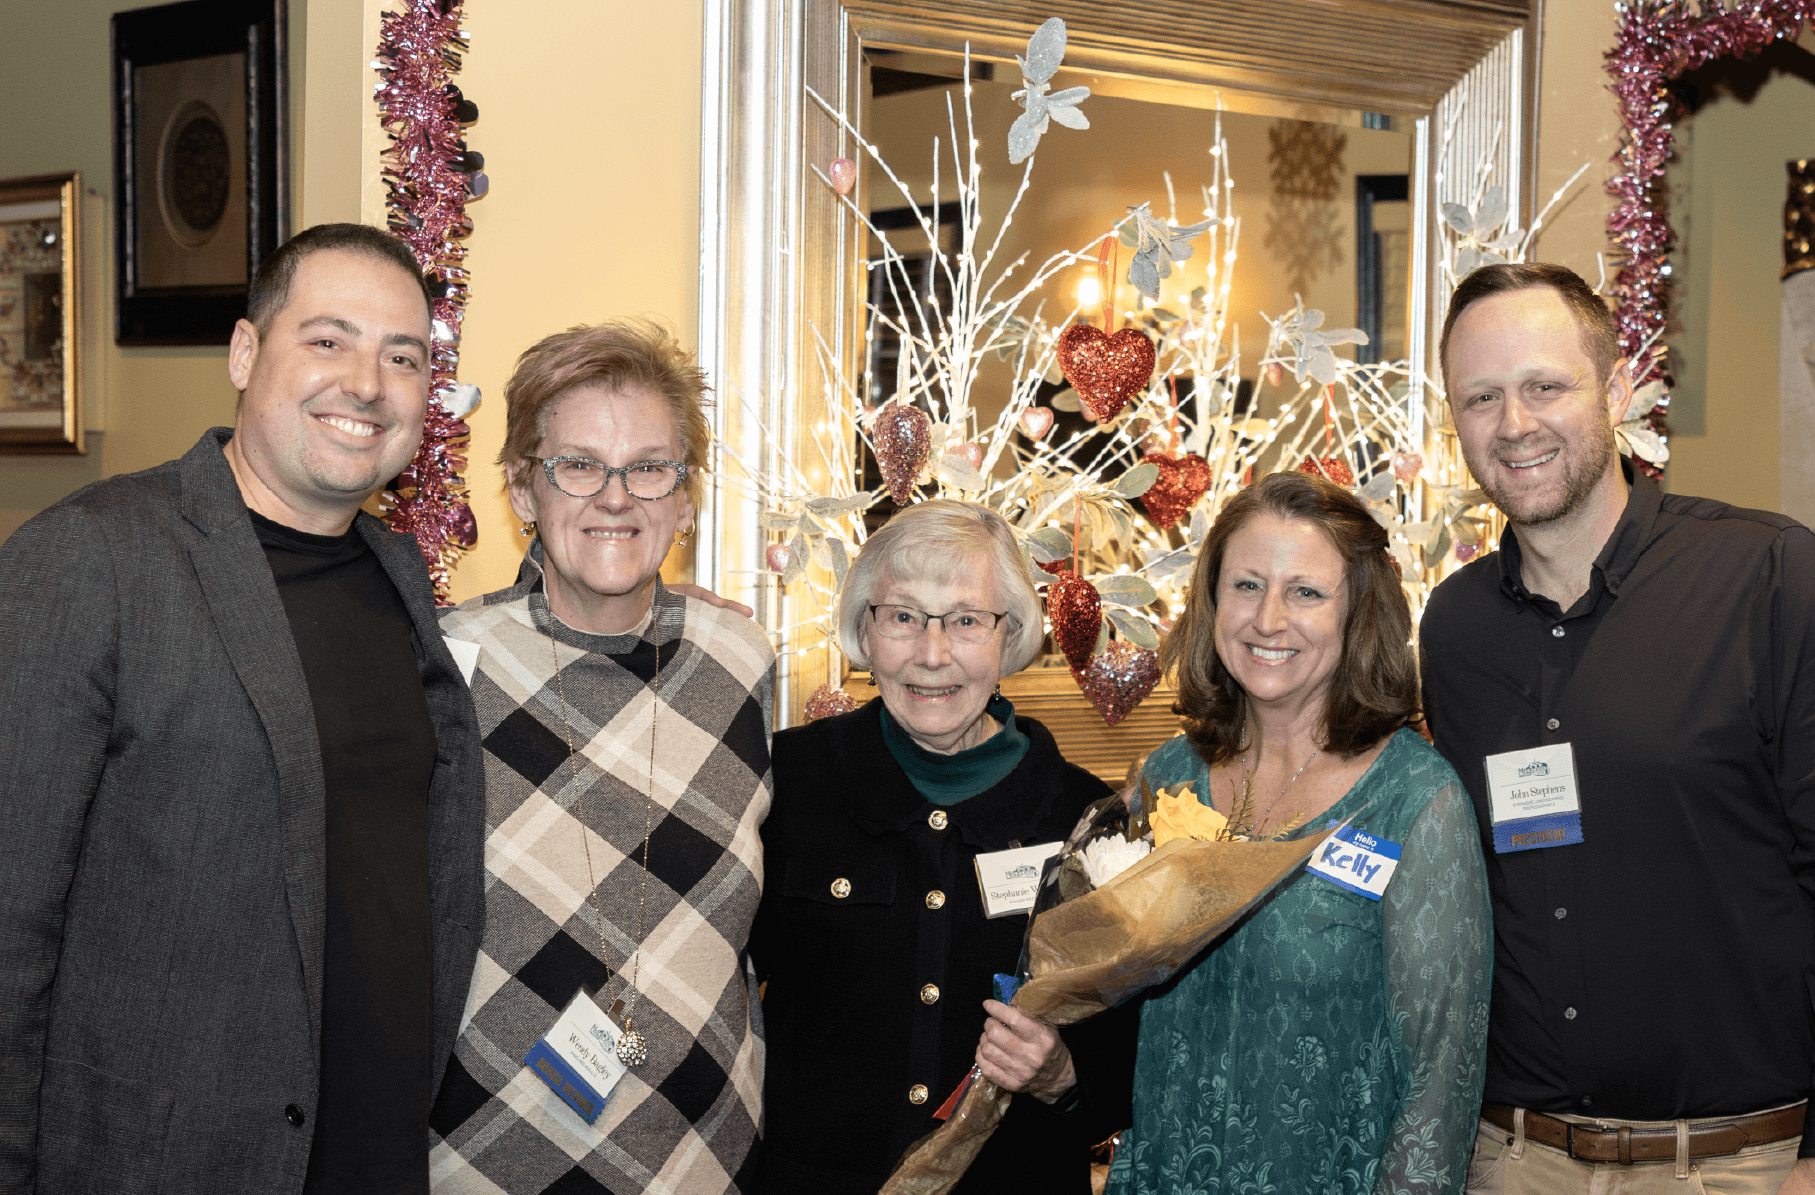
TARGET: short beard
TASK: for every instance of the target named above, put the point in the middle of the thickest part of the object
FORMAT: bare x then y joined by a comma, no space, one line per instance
1579,480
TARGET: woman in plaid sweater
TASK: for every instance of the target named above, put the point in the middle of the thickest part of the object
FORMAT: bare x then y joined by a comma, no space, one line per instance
626,731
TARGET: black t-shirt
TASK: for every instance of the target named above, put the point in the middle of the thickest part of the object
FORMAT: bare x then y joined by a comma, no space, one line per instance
353,635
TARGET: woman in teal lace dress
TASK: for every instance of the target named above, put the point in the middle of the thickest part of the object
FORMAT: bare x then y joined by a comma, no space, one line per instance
1332,1042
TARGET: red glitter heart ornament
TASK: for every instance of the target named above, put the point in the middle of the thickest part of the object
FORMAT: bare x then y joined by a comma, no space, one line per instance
1076,613
1330,468
826,701
1183,479
1119,679
1106,371
903,438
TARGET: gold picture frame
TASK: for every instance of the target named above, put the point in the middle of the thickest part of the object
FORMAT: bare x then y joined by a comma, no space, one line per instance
40,314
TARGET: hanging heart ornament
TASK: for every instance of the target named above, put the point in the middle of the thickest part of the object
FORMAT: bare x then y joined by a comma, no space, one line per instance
826,701
1330,468
1106,371
1076,613
903,438
1119,679
843,174
1184,478
1406,466
1036,422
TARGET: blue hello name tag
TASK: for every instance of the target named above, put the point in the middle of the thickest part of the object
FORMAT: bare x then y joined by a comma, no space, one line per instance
1356,860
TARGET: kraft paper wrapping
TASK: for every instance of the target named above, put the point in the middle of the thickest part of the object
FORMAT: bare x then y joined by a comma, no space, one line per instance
1090,954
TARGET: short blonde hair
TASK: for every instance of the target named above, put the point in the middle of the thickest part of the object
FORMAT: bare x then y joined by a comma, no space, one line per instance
616,355
934,539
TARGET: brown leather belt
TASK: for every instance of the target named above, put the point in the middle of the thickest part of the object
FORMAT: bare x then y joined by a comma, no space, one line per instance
1591,1143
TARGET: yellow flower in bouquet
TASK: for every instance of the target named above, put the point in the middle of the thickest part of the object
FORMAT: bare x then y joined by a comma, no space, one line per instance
1177,813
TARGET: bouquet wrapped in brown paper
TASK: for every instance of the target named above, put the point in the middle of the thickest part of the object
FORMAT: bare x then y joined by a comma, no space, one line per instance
1091,946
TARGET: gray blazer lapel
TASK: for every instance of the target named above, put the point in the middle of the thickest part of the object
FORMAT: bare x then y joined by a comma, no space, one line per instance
249,617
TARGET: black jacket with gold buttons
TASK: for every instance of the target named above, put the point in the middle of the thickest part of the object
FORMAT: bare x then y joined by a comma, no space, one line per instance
877,958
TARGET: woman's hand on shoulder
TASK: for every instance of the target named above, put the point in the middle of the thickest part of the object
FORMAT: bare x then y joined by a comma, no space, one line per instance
1018,1053
712,599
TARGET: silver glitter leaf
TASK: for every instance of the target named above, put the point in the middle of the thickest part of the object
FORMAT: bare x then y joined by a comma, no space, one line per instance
1378,486
1137,481
1126,589
1049,544
832,508
1137,631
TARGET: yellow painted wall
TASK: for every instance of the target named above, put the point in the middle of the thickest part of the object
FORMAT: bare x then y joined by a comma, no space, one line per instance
589,120
1731,224
1577,123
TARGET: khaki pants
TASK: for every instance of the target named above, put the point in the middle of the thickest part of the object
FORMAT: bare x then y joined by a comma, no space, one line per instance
1506,1166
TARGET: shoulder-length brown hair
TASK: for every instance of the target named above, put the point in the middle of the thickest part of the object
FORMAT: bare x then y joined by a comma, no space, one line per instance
1374,690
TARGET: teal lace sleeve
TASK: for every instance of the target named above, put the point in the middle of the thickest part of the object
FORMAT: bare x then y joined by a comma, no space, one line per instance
1438,939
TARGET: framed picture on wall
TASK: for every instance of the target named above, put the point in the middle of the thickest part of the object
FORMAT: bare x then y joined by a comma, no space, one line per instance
40,272
200,164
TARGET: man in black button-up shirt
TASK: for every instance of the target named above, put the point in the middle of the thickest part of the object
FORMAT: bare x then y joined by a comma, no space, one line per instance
1659,969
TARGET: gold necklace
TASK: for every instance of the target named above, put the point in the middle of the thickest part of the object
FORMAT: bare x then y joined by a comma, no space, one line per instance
632,1049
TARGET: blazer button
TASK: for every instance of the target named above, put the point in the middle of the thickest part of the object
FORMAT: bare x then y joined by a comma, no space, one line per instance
917,1094
841,887
935,899
929,994
937,819
294,1115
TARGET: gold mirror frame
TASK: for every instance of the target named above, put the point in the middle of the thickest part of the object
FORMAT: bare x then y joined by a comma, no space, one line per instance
777,255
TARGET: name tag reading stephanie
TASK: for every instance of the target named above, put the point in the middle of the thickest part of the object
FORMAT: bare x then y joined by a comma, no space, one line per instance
1532,796
1011,879
1356,860
578,1057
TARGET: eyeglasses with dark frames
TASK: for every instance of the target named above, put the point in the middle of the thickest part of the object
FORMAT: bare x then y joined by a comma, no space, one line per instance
960,626
583,477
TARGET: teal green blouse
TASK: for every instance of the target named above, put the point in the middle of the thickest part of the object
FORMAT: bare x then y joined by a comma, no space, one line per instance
1332,1043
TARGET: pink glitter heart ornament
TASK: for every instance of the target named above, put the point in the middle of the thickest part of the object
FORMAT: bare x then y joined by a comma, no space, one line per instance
843,173
970,454
777,557
1119,679
1036,422
1406,466
826,701
903,438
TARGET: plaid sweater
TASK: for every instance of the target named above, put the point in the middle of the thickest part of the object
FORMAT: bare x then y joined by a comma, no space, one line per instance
686,1120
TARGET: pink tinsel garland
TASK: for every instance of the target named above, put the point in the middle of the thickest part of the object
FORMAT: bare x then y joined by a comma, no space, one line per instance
418,50
1657,41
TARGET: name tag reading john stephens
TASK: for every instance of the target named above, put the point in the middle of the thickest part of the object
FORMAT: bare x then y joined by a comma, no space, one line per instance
1356,860
1011,879
1533,797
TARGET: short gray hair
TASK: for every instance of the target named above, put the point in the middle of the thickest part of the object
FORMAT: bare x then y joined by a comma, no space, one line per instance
932,539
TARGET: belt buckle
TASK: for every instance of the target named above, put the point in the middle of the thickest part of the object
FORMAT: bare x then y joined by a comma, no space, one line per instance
1569,1139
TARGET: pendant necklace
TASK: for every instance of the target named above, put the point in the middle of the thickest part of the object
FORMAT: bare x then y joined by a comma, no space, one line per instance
632,1049
1247,781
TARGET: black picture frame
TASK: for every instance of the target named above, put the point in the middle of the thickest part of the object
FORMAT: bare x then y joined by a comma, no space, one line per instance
200,142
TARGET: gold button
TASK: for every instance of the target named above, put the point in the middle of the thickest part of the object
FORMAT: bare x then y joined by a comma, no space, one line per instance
917,1094
935,899
929,994
938,819
841,887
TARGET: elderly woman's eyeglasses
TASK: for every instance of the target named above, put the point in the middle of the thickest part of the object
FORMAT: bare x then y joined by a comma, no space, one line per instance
583,477
961,626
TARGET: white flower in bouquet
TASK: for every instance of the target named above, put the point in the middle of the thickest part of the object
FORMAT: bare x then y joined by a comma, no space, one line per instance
1111,855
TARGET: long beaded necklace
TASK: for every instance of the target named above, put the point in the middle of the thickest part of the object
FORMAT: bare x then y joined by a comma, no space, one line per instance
632,1049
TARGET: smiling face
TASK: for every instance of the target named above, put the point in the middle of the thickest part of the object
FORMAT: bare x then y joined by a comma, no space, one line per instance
1534,419
601,554
1280,608
332,397
936,689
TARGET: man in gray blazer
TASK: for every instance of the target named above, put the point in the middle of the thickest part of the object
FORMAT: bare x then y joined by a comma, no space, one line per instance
241,810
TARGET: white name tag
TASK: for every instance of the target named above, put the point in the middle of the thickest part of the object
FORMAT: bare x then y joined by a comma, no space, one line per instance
1533,798
1010,879
578,1057
1356,860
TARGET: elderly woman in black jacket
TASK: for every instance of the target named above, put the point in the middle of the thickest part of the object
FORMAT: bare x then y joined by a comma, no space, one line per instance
872,935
